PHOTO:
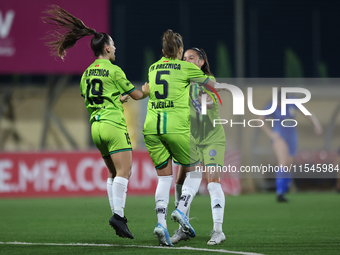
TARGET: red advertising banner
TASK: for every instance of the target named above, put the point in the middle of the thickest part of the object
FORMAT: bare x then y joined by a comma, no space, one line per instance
64,174
22,49
68,174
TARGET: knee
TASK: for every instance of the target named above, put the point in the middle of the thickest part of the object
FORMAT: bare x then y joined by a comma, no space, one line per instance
128,174
125,173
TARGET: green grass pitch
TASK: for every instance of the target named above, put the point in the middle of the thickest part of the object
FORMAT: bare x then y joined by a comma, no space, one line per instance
256,223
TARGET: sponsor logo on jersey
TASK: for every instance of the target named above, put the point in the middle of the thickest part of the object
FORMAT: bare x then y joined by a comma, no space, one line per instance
96,66
212,153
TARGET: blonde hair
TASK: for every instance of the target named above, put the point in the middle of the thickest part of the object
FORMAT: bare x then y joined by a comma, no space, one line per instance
172,42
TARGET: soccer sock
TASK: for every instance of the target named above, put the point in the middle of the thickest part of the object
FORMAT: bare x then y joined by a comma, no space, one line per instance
109,192
119,189
189,190
279,180
217,204
162,198
178,192
188,211
286,182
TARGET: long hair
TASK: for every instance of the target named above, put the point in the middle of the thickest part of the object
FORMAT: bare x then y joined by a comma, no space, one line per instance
172,42
72,29
202,55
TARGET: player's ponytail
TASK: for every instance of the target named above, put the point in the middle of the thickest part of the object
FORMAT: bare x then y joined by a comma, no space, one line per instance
172,42
73,30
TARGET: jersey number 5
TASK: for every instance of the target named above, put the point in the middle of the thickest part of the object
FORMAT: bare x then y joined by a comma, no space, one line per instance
165,84
96,94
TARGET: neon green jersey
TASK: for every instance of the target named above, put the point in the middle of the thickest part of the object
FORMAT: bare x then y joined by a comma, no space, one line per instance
168,108
101,85
202,126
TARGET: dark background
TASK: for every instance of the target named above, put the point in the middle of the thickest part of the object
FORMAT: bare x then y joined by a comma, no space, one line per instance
307,29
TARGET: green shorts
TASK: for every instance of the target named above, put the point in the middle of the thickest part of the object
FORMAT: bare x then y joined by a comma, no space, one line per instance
110,139
181,147
212,154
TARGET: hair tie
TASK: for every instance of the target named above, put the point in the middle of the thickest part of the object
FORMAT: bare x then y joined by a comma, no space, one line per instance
198,51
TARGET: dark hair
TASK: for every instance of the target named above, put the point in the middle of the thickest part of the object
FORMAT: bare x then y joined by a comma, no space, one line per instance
172,42
202,55
74,29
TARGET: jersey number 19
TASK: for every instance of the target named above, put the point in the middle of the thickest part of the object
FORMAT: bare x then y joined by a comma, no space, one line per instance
96,96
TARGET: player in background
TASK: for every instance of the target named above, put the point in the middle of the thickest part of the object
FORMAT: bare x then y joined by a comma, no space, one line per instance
104,87
285,142
167,131
210,143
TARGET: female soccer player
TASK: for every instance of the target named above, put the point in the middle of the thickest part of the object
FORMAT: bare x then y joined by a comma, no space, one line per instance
102,85
284,143
210,143
167,131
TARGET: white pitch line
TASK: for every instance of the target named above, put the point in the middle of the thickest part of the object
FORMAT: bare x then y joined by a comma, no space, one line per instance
134,246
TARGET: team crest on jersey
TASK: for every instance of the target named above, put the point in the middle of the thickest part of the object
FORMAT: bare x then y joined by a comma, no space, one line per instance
212,153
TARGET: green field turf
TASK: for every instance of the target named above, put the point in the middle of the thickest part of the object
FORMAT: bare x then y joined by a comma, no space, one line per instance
308,224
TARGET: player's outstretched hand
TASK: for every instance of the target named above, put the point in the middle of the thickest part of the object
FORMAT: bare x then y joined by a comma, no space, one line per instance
145,88
124,99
